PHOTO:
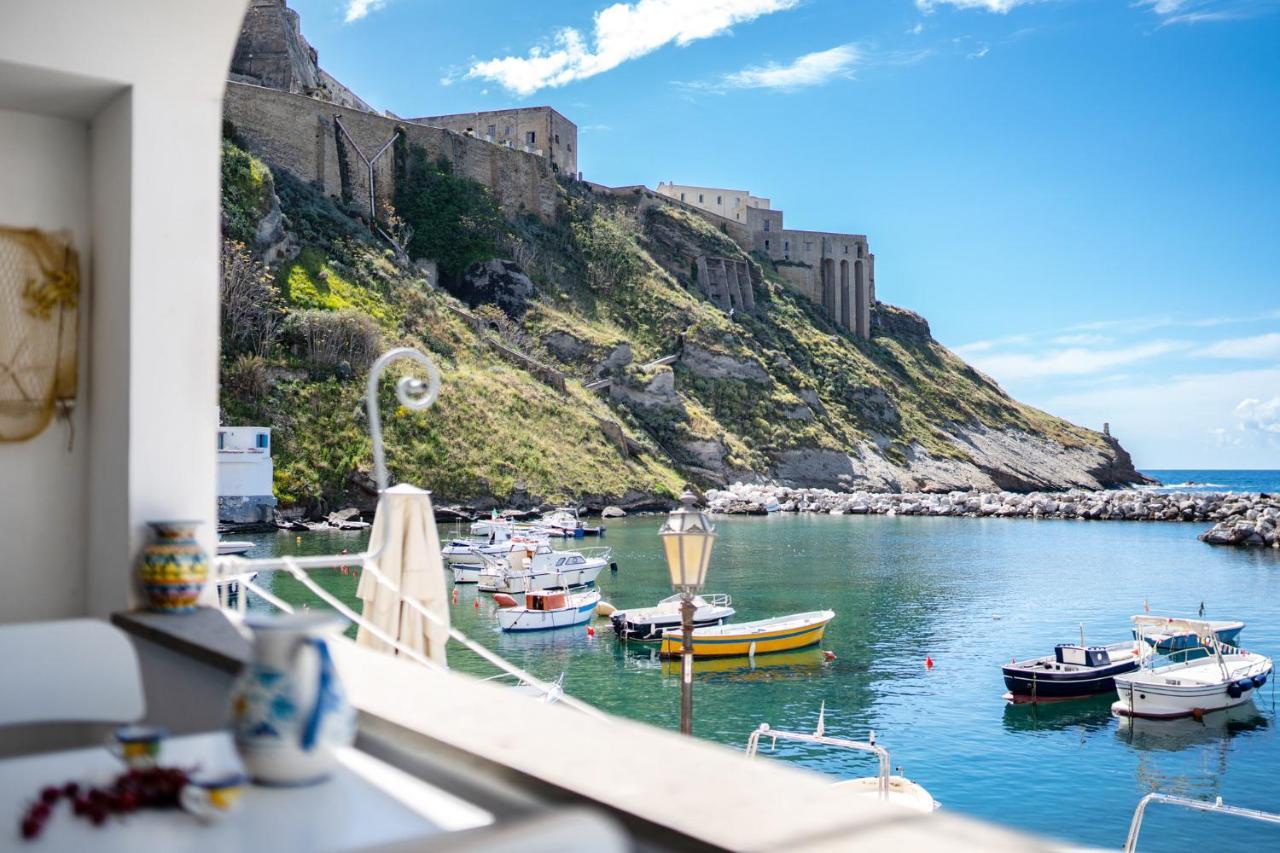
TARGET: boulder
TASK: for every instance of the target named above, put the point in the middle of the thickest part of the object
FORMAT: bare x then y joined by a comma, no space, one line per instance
498,282
613,512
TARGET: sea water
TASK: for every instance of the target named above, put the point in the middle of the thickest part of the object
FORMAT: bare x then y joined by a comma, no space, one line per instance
969,594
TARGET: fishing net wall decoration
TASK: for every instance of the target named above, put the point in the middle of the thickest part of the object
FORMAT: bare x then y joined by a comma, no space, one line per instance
39,319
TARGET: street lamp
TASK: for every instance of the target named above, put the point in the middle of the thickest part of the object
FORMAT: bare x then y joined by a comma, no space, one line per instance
687,537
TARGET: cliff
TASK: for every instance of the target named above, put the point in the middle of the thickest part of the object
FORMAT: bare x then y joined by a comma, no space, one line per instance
603,295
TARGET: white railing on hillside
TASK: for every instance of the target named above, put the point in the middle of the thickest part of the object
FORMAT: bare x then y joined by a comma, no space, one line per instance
413,394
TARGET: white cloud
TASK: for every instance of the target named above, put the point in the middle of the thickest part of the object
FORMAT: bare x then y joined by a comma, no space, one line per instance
1084,339
1187,421
357,9
1258,415
993,343
812,69
998,6
1077,361
979,53
1257,346
621,32
917,29
1172,12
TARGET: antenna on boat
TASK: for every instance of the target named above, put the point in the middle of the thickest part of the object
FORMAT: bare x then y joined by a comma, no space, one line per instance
822,720
1082,635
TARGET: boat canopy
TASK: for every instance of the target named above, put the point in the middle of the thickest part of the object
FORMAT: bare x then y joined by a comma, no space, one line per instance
1204,629
1082,655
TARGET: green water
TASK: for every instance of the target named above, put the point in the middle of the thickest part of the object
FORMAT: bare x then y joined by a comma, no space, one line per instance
970,593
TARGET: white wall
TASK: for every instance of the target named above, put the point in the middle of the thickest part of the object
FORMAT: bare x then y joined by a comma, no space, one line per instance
44,183
148,77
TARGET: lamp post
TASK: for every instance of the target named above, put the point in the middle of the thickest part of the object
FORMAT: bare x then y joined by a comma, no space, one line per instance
687,537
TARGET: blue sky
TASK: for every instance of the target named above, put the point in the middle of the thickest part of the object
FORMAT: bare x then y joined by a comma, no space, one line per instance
1082,196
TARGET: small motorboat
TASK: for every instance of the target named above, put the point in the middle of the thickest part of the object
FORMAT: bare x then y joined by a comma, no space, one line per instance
1166,640
546,609
779,634
566,522
648,623
488,537
1071,672
884,786
232,548
532,567
1182,685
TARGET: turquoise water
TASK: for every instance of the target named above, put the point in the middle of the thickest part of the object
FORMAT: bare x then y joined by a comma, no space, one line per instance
970,593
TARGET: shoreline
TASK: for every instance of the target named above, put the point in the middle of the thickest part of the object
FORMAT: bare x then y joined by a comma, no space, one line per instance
1238,518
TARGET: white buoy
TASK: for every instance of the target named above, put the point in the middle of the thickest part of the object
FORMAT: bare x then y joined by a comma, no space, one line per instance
605,609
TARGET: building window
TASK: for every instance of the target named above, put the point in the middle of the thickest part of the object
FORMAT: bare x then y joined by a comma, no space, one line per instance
493,130
766,225
530,137
506,130
719,200
682,196
766,245
786,245
263,440
808,246
222,440
569,146
699,198
846,248
557,139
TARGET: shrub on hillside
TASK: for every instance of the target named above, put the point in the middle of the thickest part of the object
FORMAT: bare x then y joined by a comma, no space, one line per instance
339,341
250,303
247,188
452,219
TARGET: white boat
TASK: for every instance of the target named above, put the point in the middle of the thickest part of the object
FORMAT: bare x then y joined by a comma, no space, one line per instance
540,567
1184,684
230,547
647,623
565,521
488,537
884,786
546,609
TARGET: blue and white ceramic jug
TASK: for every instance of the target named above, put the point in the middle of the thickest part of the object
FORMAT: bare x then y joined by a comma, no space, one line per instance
288,710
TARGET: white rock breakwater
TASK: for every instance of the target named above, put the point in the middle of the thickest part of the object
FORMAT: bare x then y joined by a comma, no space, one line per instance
1239,518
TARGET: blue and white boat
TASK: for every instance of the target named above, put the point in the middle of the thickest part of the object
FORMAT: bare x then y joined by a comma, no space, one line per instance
547,609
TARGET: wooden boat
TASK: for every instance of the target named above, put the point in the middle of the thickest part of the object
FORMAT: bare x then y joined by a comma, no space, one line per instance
884,786
1071,672
779,634
648,623
548,609
1186,685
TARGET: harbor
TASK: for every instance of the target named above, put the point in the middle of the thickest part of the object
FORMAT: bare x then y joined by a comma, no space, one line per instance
967,595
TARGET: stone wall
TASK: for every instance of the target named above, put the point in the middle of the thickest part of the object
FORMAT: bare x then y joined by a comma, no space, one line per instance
539,130
300,134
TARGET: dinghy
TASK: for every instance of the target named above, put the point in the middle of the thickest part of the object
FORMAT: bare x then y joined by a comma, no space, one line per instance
884,786
1071,672
779,634
648,623
547,609
1181,685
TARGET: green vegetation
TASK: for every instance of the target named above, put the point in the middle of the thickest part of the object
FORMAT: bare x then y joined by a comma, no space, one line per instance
609,270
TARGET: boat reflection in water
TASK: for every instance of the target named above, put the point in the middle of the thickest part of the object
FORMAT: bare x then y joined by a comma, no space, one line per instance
1089,715
1175,735
802,663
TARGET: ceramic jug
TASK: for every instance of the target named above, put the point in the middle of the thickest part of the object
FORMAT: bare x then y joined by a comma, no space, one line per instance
288,710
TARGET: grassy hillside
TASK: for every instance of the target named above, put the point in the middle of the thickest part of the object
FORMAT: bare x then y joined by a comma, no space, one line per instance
612,272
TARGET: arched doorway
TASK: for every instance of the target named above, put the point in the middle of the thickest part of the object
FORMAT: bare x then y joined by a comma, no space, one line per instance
828,273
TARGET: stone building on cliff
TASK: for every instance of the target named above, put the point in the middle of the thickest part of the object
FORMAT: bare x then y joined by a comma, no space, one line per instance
836,271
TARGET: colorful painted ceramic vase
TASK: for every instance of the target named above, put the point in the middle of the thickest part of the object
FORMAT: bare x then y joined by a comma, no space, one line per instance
288,710
173,569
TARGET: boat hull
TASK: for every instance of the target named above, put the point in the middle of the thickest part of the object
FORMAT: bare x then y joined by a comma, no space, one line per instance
753,642
1027,685
519,619
1168,693
652,631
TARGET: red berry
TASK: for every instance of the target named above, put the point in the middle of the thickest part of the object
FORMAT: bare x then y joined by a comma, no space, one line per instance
50,794
70,789
81,805
98,815
127,802
31,828
39,811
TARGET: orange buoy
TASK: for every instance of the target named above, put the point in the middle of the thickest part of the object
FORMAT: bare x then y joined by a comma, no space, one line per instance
828,655
476,604
455,595
928,662
591,630
503,600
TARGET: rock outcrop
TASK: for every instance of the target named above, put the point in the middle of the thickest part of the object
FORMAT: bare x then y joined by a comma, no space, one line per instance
498,282
1241,519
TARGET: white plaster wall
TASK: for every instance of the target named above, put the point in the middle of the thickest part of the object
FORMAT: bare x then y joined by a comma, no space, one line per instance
244,475
44,183
154,147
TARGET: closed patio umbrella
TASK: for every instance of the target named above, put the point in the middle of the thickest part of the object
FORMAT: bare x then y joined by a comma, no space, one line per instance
410,559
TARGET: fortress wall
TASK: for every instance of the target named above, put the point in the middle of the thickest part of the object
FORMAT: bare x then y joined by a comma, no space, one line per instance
299,134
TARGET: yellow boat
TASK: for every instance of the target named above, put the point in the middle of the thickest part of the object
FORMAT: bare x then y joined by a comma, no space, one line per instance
779,634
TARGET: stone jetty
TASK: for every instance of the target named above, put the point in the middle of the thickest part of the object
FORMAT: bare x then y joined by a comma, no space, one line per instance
1238,518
